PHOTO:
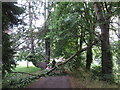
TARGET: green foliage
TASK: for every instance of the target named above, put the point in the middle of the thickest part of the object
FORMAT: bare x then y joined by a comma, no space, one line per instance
22,55
29,35
10,13
7,54
87,79
108,77
75,63
35,58
67,22
18,80
116,53
71,26
96,70
63,35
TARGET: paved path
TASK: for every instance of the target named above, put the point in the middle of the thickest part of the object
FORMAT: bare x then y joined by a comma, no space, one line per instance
52,82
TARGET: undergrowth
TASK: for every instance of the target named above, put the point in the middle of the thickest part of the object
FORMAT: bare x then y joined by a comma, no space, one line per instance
88,80
20,80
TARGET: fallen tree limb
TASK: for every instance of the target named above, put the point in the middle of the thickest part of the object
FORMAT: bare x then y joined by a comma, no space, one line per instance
75,54
67,60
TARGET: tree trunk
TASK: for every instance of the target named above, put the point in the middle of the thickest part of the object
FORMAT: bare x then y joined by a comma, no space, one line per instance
91,25
77,60
105,46
47,40
47,49
27,64
119,26
80,46
89,58
31,32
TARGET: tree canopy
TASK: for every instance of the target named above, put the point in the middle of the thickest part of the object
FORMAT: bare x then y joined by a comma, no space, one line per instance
68,29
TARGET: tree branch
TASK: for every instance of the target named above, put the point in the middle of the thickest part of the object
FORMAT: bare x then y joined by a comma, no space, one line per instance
106,6
67,60
42,56
75,54
116,23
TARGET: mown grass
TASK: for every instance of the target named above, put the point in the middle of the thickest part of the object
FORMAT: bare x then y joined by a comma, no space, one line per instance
82,79
30,69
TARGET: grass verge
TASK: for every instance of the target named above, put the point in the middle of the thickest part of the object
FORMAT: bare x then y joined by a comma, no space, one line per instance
19,80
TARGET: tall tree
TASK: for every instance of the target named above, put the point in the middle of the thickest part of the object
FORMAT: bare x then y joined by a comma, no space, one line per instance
29,36
90,20
10,13
31,32
105,45
47,39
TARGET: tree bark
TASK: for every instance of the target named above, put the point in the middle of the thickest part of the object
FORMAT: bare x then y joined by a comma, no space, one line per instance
31,32
89,59
27,64
91,25
47,49
47,40
119,26
105,46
